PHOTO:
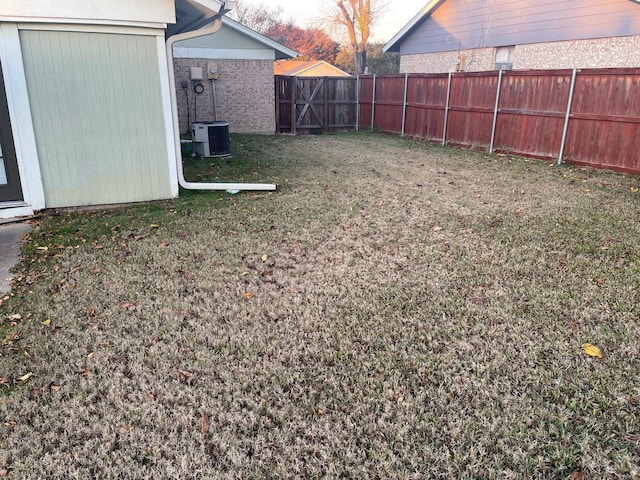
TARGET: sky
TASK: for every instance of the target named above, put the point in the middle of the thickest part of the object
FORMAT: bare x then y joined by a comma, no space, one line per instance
399,13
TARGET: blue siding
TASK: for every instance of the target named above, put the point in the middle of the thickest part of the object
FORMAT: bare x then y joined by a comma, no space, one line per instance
465,24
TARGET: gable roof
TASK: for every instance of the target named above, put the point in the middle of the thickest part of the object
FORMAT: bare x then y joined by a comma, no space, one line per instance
309,68
232,41
450,25
393,45
281,50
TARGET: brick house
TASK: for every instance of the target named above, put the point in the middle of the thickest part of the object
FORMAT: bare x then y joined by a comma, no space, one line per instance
243,87
478,35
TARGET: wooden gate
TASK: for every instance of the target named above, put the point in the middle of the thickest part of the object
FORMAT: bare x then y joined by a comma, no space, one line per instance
310,105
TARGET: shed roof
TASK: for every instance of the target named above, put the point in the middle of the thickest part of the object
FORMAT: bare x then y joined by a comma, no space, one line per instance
297,68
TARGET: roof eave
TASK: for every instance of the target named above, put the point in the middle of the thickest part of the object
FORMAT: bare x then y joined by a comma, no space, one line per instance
285,52
393,45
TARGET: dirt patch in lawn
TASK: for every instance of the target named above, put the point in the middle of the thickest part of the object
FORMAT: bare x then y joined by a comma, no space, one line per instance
394,310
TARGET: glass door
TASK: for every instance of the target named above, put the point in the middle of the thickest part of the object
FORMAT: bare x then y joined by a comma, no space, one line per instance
10,190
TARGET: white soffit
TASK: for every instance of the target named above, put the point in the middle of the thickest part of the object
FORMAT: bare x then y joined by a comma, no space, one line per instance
194,14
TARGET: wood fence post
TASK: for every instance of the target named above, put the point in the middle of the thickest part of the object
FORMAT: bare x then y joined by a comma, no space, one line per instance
567,115
446,112
294,93
358,102
373,102
495,112
326,104
404,102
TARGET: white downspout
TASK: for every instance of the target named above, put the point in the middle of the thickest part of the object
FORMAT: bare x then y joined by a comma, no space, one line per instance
217,23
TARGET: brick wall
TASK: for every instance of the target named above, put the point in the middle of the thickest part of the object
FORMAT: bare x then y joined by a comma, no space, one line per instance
620,52
244,95
475,60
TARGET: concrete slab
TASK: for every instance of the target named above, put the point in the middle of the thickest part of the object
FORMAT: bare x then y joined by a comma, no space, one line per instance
10,235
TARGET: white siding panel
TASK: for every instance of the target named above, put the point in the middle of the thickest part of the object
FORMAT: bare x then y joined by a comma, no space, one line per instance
98,116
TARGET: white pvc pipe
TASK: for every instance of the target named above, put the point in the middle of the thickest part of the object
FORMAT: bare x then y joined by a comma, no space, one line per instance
404,102
217,23
495,112
567,116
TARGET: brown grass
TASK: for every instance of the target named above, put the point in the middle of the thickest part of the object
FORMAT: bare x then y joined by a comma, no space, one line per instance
394,310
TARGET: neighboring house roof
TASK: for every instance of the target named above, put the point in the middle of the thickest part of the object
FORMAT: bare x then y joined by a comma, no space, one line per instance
450,25
310,68
393,44
233,40
281,50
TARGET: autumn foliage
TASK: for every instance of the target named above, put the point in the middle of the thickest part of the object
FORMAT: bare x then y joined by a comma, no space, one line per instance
310,43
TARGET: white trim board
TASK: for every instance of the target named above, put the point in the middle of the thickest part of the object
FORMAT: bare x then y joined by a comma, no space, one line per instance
165,88
224,53
13,212
20,114
138,29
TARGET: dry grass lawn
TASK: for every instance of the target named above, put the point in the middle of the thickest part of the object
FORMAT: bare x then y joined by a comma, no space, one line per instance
395,310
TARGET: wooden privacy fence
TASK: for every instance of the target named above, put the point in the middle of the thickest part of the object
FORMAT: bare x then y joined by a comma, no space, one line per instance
315,104
586,117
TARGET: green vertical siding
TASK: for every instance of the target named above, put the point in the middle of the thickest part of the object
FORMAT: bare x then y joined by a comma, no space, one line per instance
97,111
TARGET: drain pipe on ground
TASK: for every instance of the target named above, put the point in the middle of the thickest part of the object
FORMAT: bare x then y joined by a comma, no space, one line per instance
217,23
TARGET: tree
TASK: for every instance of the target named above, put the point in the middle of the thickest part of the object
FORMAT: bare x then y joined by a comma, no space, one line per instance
377,61
357,17
310,43
260,18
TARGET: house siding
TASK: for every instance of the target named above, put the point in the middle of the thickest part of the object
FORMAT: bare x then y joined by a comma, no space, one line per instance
472,24
98,117
244,95
622,52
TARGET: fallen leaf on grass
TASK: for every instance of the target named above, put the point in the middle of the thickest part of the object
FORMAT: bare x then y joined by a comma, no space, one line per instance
438,229
578,475
591,350
15,316
127,306
247,295
47,322
573,326
42,249
154,225
264,258
204,423
4,380
25,377
163,244
185,374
